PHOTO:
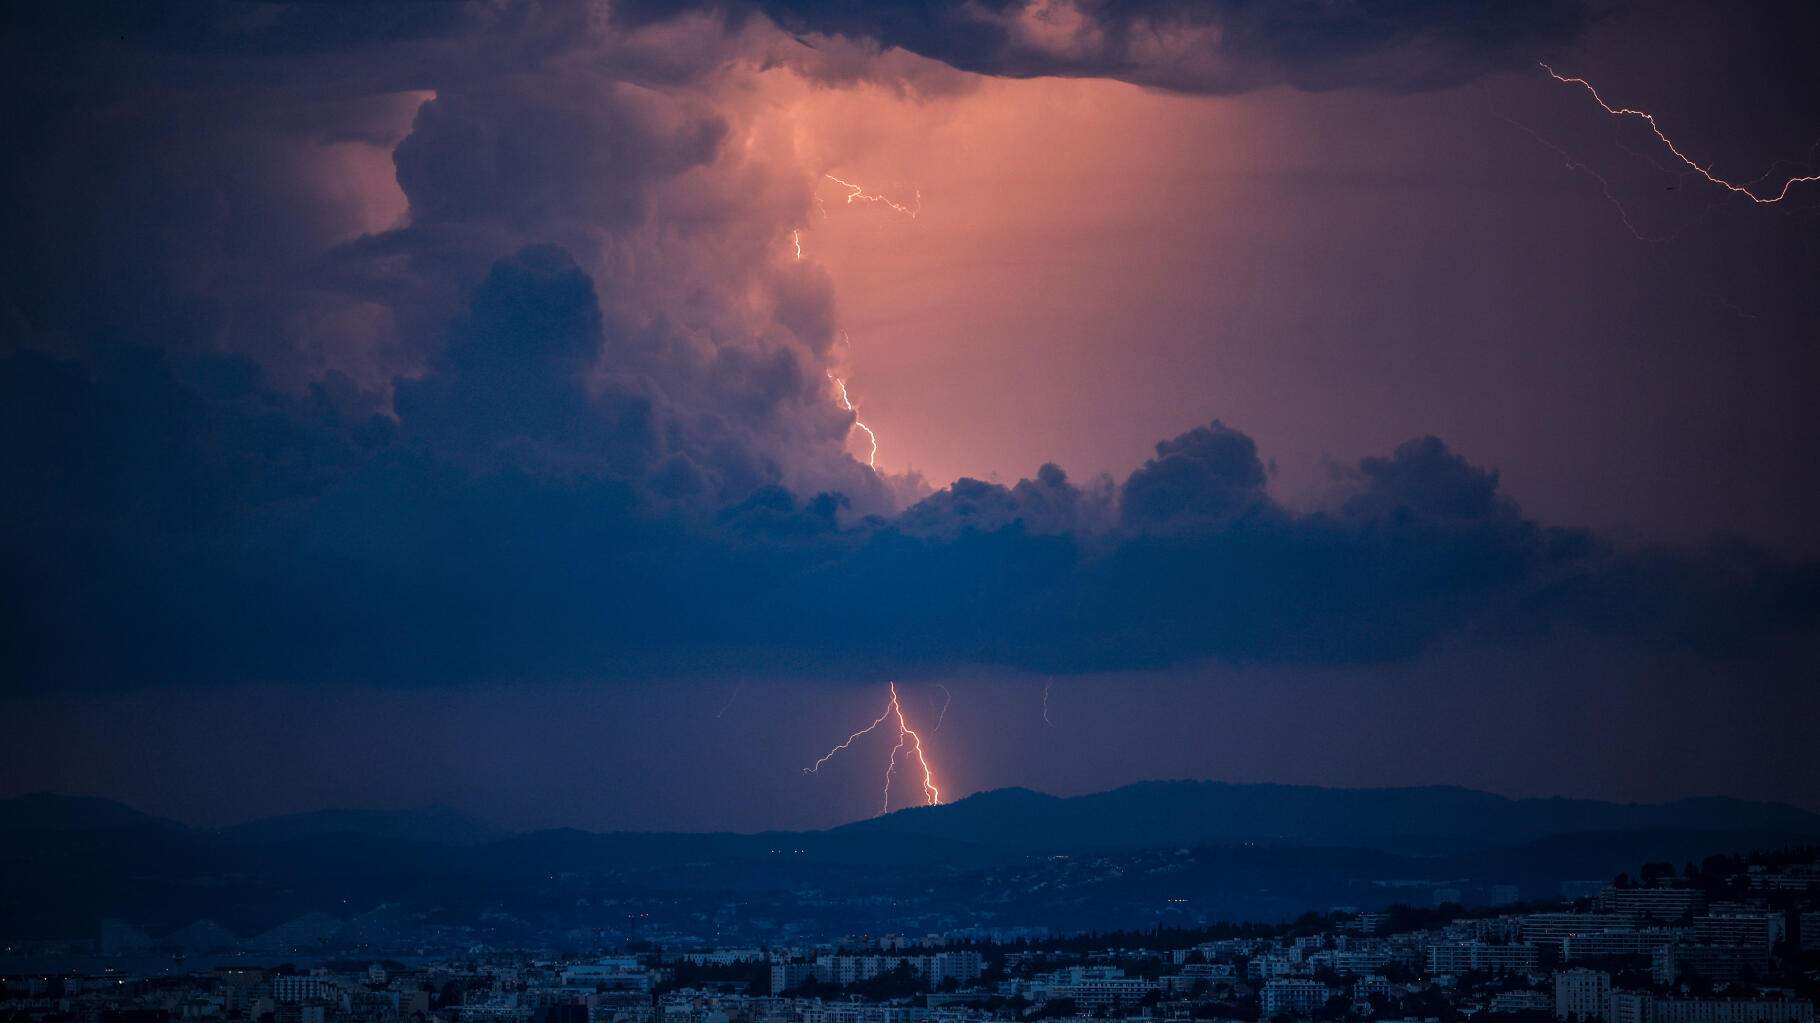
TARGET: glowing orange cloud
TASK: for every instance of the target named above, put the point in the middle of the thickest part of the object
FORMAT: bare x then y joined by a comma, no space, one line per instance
1651,121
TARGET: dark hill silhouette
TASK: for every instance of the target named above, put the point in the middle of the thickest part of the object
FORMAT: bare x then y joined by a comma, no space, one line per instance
439,824
47,811
1111,859
1429,820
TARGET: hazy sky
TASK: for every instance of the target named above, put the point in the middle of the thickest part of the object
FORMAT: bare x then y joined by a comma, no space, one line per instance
427,402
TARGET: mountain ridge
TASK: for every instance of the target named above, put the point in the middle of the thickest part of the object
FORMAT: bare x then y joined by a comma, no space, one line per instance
1432,820
1411,820
996,858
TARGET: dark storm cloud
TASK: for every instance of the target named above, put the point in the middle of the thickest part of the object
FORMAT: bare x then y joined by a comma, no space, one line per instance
177,519
1203,46
532,429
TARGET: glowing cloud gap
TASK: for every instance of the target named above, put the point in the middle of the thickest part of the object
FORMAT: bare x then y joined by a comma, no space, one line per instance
1651,121
907,737
858,192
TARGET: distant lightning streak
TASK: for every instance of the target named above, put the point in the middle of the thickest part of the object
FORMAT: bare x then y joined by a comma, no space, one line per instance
729,704
1584,168
858,193
847,403
941,715
907,738
1046,685
796,239
1683,157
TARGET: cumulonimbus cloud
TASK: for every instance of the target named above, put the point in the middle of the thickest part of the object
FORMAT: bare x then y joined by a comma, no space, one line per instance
569,414
177,519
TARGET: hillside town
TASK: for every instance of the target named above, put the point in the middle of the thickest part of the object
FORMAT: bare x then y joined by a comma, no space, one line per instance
1729,940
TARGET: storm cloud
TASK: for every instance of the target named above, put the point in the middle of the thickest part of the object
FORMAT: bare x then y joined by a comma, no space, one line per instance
1197,46
543,395
176,518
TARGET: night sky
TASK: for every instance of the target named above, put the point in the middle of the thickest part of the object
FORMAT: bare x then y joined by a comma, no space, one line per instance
442,402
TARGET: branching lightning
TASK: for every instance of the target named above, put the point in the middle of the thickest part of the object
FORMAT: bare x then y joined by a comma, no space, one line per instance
907,738
1580,166
1704,172
858,193
847,403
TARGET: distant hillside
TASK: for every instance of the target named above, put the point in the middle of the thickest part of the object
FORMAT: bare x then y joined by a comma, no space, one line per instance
1176,852
438,824
45,811
1431,820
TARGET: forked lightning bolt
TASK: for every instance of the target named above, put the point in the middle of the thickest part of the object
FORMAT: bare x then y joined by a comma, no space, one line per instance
907,738
847,403
858,193
1650,120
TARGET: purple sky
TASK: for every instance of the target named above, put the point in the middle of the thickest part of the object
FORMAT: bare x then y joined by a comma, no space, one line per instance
426,403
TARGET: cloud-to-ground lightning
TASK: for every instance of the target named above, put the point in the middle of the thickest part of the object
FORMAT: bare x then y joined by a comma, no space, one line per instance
858,193
1046,686
1704,172
907,738
847,403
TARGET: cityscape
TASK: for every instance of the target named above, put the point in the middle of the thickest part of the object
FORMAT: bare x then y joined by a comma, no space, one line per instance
1732,939
909,511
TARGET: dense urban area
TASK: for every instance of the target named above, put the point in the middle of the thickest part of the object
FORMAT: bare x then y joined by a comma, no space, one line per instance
1727,940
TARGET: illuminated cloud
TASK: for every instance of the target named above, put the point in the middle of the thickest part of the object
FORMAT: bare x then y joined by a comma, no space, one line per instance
552,400
1225,46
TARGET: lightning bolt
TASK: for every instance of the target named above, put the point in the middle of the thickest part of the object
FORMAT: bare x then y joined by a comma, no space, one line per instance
907,738
1046,686
1578,166
858,193
729,704
942,715
1704,172
847,403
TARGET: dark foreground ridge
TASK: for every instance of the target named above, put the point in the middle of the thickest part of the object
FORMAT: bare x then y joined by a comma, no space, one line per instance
1171,853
